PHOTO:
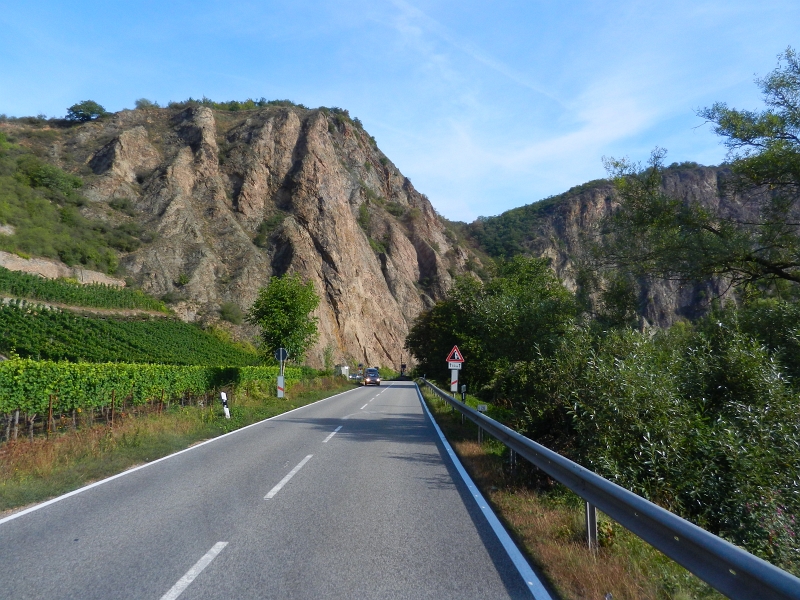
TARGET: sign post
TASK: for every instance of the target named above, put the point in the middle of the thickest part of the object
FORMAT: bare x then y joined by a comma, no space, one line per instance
454,361
281,355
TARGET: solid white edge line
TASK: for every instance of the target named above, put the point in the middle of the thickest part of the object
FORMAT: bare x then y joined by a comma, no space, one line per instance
535,586
335,431
286,479
201,564
149,464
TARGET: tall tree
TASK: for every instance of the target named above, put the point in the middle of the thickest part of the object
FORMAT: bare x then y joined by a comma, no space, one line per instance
282,311
753,240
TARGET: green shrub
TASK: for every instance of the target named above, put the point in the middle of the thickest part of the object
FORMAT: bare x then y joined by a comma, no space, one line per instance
396,209
88,110
231,312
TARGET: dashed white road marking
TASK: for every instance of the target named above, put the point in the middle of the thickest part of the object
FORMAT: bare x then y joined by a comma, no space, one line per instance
286,479
365,406
201,564
332,434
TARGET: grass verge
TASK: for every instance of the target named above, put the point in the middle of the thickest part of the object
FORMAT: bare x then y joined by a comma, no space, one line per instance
547,522
34,471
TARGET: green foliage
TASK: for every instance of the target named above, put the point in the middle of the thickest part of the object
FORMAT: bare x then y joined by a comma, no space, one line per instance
144,103
236,105
231,312
282,312
363,216
700,418
40,201
98,295
33,331
396,209
378,247
88,110
510,233
27,385
123,205
267,227
525,303
755,242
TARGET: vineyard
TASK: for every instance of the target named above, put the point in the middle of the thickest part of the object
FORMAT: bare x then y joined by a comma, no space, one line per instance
44,394
95,295
32,331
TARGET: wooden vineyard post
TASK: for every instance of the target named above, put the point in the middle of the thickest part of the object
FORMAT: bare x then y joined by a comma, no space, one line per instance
16,423
49,414
113,401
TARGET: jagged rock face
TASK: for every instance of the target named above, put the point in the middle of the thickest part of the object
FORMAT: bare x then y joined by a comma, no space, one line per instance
564,229
238,197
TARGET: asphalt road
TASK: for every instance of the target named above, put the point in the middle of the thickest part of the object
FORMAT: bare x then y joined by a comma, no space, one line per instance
282,509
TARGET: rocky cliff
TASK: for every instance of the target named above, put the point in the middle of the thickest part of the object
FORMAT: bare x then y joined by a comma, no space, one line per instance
233,197
562,227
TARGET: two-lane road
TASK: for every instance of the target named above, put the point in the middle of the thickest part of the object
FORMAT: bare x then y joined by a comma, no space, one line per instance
351,497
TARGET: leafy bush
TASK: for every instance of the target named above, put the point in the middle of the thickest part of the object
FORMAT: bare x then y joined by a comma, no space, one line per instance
396,209
88,110
231,312
144,103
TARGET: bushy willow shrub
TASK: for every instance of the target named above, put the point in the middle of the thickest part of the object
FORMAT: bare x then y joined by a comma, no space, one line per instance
700,419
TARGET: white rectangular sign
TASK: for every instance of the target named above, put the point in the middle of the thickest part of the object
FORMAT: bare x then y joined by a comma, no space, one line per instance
453,380
454,366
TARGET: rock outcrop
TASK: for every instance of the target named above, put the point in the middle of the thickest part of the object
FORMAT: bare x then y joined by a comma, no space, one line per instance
562,227
233,198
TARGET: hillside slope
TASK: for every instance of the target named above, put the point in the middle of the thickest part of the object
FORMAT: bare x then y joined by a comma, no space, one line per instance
230,198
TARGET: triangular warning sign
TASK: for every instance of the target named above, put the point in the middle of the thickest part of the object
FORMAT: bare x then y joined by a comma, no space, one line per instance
455,355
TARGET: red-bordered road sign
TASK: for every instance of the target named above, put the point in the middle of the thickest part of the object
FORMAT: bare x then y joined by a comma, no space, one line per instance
455,355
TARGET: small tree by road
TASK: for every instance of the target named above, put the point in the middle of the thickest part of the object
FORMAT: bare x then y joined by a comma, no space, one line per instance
282,311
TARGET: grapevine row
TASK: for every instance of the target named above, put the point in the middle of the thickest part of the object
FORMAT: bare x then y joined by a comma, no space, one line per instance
96,295
36,387
33,331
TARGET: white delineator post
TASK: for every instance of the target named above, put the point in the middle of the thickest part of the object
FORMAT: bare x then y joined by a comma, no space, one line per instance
281,354
224,398
453,380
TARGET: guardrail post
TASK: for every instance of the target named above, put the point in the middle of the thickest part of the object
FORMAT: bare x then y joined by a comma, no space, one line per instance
591,525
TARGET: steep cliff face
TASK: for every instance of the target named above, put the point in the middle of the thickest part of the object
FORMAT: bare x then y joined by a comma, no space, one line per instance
562,227
235,197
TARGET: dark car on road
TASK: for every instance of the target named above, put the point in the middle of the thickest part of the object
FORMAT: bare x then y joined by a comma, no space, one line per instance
372,377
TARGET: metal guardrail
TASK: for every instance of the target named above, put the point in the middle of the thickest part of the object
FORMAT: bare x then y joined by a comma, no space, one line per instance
725,567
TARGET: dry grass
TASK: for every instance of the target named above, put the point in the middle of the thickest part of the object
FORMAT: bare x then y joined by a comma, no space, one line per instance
35,470
547,523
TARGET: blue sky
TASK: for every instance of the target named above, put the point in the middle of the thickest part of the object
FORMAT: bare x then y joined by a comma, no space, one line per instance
483,105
